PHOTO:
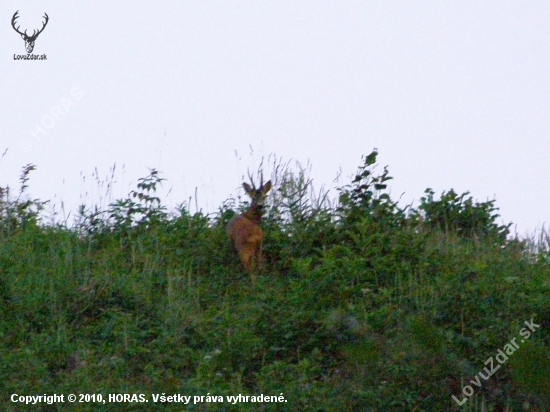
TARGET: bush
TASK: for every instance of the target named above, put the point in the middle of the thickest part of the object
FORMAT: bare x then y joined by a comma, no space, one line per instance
363,305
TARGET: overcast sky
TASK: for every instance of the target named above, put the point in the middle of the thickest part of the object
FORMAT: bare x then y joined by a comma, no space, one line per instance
453,94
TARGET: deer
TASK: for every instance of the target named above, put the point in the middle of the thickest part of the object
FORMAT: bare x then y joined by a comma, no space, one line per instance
29,40
244,230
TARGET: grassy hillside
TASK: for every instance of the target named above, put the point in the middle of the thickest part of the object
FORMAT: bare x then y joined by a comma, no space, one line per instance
362,306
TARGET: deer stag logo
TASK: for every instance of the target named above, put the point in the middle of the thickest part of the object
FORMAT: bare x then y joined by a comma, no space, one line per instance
29,40
245,232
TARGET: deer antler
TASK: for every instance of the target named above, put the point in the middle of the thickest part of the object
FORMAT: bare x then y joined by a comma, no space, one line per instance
15,16
34,33
251,180
43,26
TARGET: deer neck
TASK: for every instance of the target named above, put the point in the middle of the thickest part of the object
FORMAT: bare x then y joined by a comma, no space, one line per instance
254,214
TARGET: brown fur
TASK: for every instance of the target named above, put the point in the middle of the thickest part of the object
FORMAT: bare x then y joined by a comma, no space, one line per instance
245,232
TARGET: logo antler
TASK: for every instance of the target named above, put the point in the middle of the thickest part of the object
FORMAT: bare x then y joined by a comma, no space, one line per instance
29,40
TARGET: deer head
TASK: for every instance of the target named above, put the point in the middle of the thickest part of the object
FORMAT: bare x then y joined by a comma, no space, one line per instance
257,196
29,40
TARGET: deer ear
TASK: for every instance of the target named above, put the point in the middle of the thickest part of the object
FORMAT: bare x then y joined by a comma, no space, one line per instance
247,188
267,187
23,36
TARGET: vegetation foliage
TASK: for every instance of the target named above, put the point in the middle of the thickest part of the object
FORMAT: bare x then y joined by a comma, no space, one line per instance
362,304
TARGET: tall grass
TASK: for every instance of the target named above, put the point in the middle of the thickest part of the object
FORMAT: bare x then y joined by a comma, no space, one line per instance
363,304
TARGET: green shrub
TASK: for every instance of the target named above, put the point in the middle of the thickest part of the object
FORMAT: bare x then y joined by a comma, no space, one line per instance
362,305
